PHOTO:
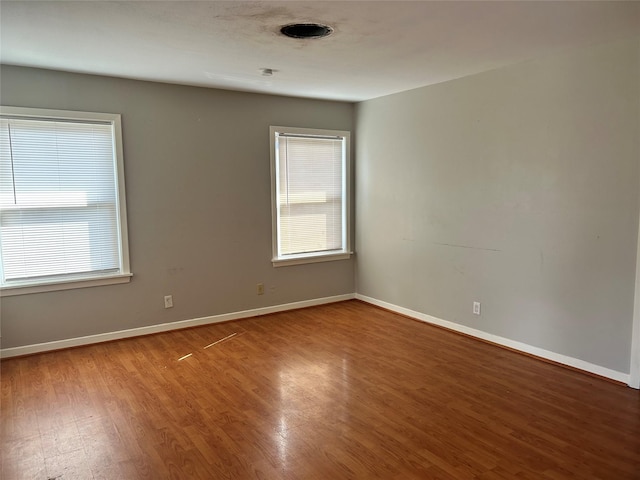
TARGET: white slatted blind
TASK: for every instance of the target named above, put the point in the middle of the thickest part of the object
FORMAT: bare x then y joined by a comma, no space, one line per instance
310,194
58,199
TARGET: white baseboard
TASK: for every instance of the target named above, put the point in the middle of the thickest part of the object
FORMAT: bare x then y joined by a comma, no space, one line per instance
225,317
523,347
164,327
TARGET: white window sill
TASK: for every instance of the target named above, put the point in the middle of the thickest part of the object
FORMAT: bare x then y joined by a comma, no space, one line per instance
24,289
309,258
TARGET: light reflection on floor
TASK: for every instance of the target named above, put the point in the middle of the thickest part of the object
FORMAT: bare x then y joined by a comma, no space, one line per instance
308,389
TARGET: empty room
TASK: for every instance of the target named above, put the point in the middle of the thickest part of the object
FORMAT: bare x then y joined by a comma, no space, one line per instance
319,240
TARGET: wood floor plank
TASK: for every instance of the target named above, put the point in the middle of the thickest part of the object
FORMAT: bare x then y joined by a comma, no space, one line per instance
340,391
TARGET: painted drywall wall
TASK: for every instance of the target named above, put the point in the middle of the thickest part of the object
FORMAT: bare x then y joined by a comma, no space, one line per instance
517,188
634,380
198,204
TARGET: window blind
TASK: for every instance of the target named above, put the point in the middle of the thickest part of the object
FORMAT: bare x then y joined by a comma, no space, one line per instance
310,194
58,199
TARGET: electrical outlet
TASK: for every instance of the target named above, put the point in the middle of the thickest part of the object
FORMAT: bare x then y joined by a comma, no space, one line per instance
260,288
476,308
168,301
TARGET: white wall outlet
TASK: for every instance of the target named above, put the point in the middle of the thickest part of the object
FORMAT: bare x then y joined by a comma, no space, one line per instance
476,308
168,301
260,288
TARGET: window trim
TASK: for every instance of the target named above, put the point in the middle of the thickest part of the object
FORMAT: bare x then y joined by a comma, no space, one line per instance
81,281
313,257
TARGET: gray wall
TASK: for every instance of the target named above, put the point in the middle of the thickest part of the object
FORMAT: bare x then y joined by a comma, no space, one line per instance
518,188
198,203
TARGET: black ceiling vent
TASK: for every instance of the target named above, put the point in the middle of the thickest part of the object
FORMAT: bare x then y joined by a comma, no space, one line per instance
306,30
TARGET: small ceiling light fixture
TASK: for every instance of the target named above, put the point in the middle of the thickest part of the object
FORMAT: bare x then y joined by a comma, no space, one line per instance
306,30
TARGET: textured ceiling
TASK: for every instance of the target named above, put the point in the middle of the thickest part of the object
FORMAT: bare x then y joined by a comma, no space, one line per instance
377,48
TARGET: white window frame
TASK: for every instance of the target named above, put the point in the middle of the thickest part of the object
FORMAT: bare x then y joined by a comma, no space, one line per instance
80,281
279,260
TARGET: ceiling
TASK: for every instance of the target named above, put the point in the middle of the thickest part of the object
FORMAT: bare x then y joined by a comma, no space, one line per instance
377,48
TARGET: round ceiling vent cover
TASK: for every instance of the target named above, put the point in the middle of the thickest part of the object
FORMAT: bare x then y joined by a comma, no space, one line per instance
306,30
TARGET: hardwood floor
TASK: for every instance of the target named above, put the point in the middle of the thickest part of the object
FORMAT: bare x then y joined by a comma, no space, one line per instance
338,391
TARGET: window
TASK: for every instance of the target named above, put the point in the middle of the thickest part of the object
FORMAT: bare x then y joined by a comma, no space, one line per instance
310,195
62,209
